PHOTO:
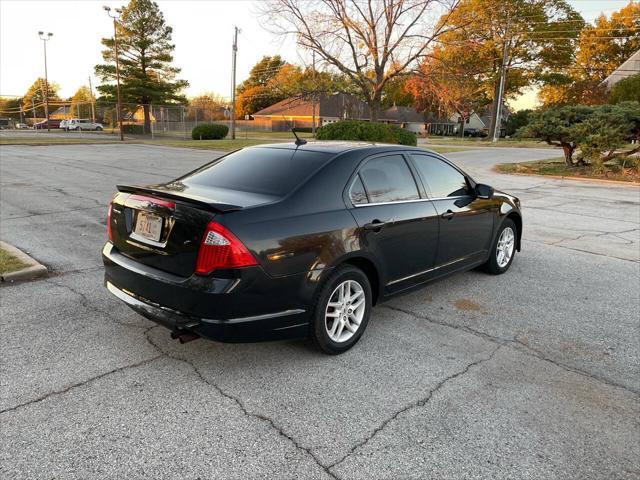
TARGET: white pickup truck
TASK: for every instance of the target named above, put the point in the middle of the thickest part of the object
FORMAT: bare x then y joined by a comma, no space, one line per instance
83,124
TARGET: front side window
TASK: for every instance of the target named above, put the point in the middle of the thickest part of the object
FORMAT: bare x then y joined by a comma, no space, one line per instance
442,179
388,179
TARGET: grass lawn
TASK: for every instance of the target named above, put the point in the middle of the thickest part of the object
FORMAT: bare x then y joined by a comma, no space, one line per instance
35,141
9,263
439,149
223,145
557,167
483,142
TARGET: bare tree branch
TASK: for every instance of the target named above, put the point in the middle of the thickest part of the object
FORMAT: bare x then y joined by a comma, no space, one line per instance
369,41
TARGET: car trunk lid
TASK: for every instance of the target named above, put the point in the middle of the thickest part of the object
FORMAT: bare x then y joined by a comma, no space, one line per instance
162,225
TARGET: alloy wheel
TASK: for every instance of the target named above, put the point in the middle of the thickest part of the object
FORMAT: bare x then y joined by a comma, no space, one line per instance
504,249
345,311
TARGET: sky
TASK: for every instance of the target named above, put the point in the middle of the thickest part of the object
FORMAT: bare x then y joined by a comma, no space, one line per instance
202,33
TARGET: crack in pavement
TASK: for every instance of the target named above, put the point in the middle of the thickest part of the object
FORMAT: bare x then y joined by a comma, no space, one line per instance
595,234
80,384
240,404
580,250
85,302
525,348
580,214
56,212
416,404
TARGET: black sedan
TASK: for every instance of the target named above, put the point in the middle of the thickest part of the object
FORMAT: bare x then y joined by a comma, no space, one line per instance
293,240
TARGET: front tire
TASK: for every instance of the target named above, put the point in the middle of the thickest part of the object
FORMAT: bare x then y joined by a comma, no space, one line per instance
503,249
342,310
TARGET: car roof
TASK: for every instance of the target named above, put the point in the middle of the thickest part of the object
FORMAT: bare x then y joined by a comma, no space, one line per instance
336,147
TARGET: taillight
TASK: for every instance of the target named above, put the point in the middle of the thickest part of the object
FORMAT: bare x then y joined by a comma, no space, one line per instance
221,249
109,232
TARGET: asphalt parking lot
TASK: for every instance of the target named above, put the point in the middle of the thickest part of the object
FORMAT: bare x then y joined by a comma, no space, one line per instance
532,374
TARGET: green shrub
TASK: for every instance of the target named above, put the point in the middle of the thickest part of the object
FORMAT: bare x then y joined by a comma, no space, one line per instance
133,129
366,131
209,131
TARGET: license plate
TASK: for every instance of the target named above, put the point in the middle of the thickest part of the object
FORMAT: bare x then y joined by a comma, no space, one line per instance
148,226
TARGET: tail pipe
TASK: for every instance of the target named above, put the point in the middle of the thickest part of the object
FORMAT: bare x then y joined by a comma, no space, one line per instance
183,336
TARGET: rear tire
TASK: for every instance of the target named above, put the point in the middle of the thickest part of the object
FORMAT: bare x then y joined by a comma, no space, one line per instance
503,249
342,310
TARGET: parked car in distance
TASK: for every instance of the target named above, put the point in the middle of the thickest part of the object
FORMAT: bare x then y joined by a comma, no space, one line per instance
292,240
83,124
63,124
21,126
53,123
473,132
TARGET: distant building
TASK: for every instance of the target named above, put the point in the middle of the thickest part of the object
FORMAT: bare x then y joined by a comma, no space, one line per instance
62,113
482,121
627,69
297,112
405,117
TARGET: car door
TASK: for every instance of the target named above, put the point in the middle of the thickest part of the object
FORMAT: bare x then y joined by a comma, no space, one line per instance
466,222
398,224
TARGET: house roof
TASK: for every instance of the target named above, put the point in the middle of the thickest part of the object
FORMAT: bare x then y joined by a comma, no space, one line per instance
339,105
628,68
402,115
63,110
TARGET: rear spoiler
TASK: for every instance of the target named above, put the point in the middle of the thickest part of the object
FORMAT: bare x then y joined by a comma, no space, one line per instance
184,197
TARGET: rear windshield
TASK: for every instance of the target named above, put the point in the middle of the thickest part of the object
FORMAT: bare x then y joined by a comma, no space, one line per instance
269,171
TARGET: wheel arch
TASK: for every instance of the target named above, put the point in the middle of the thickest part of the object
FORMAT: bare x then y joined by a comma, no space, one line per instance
370,270
516,218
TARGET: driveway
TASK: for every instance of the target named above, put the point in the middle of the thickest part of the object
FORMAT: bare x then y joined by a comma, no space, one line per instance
532,374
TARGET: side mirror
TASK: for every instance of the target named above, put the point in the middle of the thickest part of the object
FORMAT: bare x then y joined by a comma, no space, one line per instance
484,191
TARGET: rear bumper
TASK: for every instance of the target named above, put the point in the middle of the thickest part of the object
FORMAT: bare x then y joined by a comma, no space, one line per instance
247,307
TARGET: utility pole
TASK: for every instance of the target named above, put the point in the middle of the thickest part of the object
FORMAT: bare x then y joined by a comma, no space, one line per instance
313,115
115,17
234,51
93,108
45,39
503,79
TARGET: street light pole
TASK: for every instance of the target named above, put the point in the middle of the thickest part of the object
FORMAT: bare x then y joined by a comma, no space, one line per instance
115,17
233,83
503,78
93,108
45,39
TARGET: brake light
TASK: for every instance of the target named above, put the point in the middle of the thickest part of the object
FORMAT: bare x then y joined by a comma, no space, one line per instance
156,201
221,249
109,232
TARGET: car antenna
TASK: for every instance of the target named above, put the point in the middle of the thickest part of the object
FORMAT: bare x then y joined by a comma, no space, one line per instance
299,141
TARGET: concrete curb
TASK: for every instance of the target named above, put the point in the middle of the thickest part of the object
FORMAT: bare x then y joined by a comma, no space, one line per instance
33,270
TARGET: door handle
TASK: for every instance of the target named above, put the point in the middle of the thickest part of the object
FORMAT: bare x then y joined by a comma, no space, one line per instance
375,226
448,215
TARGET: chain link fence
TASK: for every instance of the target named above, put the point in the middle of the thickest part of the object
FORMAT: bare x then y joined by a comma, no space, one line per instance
170,121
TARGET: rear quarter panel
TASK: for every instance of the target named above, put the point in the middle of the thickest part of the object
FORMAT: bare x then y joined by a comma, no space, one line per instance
305,231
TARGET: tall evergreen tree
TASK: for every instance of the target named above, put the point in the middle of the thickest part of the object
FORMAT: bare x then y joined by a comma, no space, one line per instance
35,97
145,54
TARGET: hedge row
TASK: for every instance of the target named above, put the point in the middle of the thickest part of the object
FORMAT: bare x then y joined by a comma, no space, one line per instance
366,131
133,129
211,131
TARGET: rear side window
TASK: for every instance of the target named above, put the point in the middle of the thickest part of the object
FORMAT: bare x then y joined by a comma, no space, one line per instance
357,193
442,179
388,179
268,171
